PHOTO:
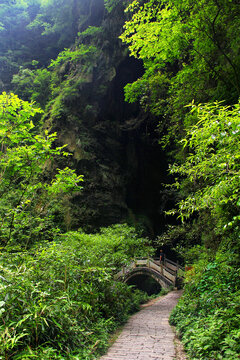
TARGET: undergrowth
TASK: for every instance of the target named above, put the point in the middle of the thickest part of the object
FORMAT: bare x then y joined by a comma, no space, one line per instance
59,300
207,317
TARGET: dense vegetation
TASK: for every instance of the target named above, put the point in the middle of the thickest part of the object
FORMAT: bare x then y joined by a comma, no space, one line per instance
58,296
207,316
29,204
191,57
59,300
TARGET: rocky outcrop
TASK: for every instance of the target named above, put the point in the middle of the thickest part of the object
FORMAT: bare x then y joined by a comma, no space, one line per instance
114,144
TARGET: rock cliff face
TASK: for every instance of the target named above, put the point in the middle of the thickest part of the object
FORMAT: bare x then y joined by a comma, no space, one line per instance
114,144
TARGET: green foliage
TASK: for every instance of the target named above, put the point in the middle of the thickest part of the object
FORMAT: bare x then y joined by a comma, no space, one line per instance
91,31
27,201
212,166
111,4
150,92
190,47
60,300
207,316
125,244
34,85
59,17
82,52
184,237
37,30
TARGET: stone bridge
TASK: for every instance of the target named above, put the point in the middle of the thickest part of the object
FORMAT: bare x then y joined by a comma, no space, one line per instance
167,274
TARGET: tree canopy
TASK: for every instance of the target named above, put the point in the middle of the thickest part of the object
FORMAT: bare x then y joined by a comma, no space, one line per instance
37,31
190,55
189,51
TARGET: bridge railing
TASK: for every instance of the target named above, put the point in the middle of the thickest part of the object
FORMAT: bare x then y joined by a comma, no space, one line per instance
168,269
167,273
172,265
125,269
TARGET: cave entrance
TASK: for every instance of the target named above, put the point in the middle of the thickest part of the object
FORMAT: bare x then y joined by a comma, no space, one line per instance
145,283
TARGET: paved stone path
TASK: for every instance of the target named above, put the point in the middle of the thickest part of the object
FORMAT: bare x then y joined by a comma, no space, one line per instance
147,335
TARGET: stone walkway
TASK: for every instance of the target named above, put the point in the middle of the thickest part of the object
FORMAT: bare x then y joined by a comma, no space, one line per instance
147,335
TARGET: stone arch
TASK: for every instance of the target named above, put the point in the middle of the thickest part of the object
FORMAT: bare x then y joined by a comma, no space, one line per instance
164,283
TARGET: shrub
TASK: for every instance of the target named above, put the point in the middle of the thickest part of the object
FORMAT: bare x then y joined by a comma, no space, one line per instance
60,299
207,316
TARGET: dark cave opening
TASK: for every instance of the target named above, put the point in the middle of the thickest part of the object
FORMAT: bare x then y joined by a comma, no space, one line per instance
128,166
145,283
142,159
147,169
